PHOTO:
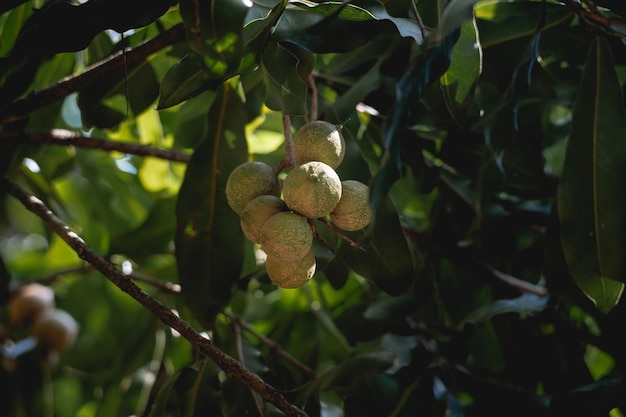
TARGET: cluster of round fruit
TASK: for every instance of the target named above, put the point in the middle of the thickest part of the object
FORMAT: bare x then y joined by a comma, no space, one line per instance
33,306
311,190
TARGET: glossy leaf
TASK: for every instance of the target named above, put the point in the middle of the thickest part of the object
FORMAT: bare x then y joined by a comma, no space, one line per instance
106,103
424,71
348,372
454,14
193,390
259,26
154,234
286,90
501,22
591,202
339,27
215,31
526,304
209,241
459,80
382,254
186,79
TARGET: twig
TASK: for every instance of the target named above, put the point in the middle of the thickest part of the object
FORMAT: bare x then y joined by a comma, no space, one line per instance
593,14
519,284
290,159
418,19
228,364
240,355
275,347
68,138
24,106
314,103
341,235
155,282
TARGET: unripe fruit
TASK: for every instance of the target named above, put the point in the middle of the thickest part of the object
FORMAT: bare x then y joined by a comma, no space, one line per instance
319,141
286,236
249,180
29,301
312,189
291,274
55,329
353,211
256,212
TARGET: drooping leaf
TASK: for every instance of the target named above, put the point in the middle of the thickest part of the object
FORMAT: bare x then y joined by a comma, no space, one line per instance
527,304
347,372
382,254
154,235
453,16
106,103
209,241
46,32
339,27
184,80
503,21
259,26
591,202
422,72
194,390
286,90
459,80
215,31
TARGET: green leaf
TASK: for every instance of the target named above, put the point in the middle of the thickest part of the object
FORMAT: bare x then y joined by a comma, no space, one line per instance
153,236
209,241
106,103
215,31
453,16
422,72
339,27
186,79
11,24
591,202
191,122
526,304
459,80
501,22
194,390
348,372
385,257
259,27
286,90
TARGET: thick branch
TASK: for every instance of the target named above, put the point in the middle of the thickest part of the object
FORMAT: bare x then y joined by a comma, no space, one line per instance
24,106
69,138
228,364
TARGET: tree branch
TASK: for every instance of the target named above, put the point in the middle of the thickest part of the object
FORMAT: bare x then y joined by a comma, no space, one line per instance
24,106
228,364
68,138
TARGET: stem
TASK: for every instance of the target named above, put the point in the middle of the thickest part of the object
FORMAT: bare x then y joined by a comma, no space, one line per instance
418,19
22,107
290,159
275,347
240,355
341,235
314,106
64,137
228,364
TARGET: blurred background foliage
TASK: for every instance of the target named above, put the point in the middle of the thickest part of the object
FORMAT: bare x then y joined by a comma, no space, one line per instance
491,134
